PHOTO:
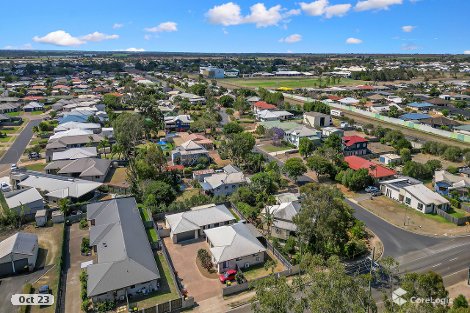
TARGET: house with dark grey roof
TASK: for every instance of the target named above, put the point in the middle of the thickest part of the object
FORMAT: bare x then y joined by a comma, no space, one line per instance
93,169
67,142
18,253
125,262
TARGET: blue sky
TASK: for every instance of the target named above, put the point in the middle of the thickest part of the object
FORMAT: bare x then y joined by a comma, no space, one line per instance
316,26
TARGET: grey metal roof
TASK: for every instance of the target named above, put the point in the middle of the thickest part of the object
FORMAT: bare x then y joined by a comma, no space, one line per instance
232,241
86,167
196,218
125,257
75,153
19,243
22,196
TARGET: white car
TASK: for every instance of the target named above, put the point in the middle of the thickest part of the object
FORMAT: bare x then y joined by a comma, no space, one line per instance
14,167
5,186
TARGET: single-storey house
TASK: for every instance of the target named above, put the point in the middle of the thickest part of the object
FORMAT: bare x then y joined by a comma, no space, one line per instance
33,106
85,168
446,183
269,115
18,253
282,216
328,131
234,246
25,201
191,224
224,183
75,153
414,194
125,262
377,171
67,142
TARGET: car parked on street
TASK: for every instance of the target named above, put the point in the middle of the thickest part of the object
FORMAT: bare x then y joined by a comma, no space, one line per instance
227,276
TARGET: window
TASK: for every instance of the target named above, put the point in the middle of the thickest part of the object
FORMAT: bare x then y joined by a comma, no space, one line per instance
408,200
257,259
420,206
238,259
133,286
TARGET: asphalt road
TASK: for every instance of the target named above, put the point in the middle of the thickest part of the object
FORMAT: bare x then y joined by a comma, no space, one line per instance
17,148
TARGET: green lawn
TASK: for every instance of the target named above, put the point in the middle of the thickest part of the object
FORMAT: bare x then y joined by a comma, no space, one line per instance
152,235
271,148
14,113
234,214
3,204
10,129
167,289
5,139
38,167
144,214
36,112
187,194
288,82
457,213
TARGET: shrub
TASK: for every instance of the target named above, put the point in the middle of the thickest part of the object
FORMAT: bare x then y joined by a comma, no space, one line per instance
205,258
83,224
85,247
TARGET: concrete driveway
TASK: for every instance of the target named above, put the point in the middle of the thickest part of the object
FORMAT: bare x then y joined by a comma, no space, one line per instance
184,257
73,260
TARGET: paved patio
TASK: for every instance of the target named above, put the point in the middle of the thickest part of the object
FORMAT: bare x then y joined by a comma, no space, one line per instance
184,257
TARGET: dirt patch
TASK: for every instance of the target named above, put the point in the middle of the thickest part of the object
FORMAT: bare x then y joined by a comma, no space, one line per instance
410,219
375,242
423,158
204,272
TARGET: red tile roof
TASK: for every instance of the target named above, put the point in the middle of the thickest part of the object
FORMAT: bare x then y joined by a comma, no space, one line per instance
351,140
365,87
356,163
264,105
334,98
32,98
174,168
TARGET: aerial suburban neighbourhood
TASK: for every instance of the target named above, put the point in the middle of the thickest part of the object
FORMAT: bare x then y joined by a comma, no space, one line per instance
225,180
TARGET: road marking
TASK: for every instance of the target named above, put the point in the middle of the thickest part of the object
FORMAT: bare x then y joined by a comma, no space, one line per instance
454,273
452,259
436,265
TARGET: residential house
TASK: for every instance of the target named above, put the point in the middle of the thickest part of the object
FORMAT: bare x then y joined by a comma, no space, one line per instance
294,135
92,169
18,253
354,145
9,107
377,171
188,153
414,194
440,122
224,183
53,187
75,153
446,184
414,117
34,106
390,159
234,246
316,119
420,106
328,131
282,215
270,115
177,123
125,261
67,142
262,106
191,224
25,201
91,127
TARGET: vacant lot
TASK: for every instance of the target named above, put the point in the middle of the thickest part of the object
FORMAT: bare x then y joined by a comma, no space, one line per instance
272,148
423,158
294,82
398,214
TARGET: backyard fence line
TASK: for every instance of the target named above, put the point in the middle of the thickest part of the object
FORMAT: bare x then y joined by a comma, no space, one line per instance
459,221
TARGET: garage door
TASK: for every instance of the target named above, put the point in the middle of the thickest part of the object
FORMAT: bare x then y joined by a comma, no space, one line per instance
5,269
186,236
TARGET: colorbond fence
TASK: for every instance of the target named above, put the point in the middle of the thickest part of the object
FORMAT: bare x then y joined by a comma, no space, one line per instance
459,221
391,120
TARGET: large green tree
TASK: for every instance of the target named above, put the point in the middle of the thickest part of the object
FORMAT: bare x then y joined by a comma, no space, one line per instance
294,167
128,131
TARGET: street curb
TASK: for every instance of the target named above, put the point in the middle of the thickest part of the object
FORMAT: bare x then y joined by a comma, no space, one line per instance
410,231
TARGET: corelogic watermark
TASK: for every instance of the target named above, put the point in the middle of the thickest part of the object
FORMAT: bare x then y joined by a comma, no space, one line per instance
398,298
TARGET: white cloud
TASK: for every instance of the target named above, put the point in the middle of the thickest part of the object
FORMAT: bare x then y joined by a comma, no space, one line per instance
164,27
117,25
315,8
408,28
97,36
466,52
291,38
225,14
147,37
135,50
409,47
26,46
225,31
229,14
353,41
337,10
322,7
59,38
376,4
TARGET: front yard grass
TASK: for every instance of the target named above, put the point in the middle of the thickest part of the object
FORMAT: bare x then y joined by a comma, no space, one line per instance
258,270
152,235
167,289
272,148
38,167
187,194
18,113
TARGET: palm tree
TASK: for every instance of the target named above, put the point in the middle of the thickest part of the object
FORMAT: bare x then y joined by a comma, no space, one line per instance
103,145
268,220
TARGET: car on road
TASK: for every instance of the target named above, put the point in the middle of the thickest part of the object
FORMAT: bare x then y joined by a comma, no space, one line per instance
371,189
227,276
